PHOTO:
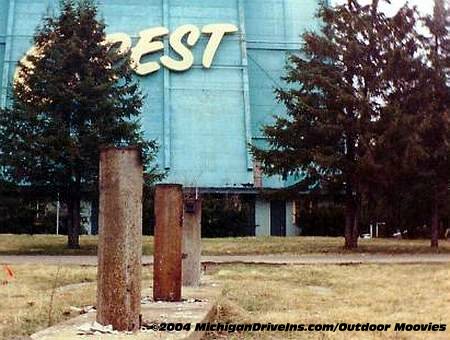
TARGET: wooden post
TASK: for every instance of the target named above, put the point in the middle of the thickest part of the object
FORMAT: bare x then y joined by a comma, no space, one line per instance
120,239
168,235
192,246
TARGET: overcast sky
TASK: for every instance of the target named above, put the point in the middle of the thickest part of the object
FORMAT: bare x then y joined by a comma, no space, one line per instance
424,6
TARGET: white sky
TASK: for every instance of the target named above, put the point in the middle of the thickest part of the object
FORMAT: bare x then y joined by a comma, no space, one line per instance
424,6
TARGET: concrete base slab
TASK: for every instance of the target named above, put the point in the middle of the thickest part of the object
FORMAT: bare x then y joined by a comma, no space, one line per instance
199,305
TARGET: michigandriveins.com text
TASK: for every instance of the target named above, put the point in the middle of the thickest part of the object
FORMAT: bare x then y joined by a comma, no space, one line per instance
288,327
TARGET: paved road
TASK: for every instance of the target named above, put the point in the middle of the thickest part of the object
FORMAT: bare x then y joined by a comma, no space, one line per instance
250,259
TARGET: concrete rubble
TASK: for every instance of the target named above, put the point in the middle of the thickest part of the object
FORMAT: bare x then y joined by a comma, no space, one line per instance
197,306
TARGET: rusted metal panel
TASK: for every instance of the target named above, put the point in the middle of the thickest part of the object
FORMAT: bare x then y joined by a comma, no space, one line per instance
120,239
192,246
168,236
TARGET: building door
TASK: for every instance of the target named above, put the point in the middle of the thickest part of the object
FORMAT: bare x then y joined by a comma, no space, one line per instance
278,218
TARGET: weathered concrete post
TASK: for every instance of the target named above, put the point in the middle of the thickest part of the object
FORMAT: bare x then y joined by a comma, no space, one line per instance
168,235
192,238
120,239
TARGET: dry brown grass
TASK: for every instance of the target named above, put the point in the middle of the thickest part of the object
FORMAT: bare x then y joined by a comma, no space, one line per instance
329,294
25,300
56,245
276,294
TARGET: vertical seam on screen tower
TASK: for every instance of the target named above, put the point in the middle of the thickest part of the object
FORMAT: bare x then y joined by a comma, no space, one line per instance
245,85
8,53
167,115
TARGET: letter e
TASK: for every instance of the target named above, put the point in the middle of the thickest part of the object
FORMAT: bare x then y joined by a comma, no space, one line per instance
145,46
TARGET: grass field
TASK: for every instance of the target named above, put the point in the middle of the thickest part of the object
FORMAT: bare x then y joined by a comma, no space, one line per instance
295,294
56,245
330,294
25,301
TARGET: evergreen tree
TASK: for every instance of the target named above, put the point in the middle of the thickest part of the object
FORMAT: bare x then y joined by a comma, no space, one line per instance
398,144
412,142
332,107
76,95
435,129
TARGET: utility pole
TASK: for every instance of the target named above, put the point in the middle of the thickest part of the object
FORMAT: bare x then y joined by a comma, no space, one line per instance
57,215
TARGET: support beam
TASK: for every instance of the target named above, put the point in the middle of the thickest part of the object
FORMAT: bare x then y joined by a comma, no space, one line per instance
246,84
167,115
192,242
120,239
168,235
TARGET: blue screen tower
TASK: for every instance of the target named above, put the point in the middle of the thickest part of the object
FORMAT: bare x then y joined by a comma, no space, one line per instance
204,107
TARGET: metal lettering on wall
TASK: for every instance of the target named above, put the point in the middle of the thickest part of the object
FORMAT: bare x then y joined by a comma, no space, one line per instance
150,42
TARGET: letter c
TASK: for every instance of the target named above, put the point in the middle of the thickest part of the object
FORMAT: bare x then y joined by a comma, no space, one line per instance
119,38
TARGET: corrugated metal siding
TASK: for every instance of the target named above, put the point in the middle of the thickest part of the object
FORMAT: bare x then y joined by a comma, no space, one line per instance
3,16
202,118
2,56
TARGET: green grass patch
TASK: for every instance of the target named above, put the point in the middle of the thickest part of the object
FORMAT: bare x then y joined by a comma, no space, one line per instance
56,245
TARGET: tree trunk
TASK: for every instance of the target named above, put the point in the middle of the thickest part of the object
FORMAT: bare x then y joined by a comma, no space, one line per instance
435,223
355,230
350,214
74,210
73,225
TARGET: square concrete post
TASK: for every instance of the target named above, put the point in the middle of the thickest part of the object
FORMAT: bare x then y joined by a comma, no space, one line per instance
168,235
192,242
120,239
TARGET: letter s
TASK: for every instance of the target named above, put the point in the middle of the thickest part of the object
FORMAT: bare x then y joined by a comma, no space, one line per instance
187,58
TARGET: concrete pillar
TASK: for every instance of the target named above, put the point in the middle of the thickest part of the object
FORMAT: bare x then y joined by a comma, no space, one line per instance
120,239
168,236
192,243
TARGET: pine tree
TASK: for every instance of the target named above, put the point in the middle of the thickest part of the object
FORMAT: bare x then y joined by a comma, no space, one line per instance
412,139
77,95
332,106
435,115
398,142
